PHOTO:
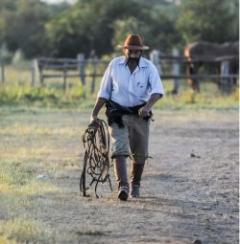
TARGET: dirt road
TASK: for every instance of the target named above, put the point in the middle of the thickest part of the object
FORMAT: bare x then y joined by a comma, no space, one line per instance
189,187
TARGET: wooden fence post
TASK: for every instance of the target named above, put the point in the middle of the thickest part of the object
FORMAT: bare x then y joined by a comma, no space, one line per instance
155,58
2,72
94,64
65,84
40,68
175,71
33,73
225,83
81,67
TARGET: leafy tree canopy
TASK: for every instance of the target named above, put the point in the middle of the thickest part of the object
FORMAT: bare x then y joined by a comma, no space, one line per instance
209,20
65,30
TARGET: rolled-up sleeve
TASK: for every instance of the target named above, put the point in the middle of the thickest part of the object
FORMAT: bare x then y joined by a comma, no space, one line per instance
106,84
155,82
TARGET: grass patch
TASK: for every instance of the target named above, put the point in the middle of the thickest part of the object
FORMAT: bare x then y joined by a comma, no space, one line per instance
18,91
24,231
21,179
45,97
40,97
209,98
31,143
5,240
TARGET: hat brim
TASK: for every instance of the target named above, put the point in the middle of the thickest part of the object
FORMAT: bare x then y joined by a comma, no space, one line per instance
133,47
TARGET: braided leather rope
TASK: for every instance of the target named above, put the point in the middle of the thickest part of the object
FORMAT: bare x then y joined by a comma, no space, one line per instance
96,163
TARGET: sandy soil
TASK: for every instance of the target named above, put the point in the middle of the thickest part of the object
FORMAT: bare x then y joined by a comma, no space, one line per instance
189,187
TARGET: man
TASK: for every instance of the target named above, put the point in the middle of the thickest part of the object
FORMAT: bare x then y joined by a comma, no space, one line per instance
130,87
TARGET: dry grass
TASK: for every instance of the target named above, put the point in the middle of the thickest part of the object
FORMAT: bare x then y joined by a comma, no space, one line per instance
33,154
47,209
21,230
47,142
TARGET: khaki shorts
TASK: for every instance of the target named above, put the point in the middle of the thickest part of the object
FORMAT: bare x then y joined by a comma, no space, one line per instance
132,140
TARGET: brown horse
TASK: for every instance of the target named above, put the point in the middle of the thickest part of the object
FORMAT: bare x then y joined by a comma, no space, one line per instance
205,52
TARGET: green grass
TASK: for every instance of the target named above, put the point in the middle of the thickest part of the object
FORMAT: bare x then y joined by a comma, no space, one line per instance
210,98
190,100
40,97
17,90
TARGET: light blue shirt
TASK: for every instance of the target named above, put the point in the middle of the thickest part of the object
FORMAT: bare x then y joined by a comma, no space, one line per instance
130,89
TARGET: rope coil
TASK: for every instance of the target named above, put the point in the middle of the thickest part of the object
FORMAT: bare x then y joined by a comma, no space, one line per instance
96,164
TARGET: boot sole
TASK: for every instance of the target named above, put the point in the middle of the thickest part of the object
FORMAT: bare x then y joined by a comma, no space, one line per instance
123,196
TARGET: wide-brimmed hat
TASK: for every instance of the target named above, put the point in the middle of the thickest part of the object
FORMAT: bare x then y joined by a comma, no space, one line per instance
133,42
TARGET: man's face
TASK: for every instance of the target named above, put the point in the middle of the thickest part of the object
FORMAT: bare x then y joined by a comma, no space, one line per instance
130,53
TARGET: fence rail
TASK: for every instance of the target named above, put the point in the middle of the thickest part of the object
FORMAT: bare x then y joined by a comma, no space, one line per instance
174,63
207,59
170,67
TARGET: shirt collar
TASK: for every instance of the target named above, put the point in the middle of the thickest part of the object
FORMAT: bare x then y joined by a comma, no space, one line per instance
142,63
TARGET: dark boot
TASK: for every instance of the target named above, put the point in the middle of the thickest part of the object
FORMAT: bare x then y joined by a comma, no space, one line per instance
120,169
137,170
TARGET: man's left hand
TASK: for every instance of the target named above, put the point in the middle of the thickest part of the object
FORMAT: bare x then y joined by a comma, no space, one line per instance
144,112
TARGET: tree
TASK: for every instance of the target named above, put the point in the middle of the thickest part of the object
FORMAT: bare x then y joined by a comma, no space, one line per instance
100,25
163,34
128,26
208,20
22,25
88,25
6,7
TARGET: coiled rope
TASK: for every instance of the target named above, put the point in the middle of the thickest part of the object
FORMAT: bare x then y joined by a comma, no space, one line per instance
96,164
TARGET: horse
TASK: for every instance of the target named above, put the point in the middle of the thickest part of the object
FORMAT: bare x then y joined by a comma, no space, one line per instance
204,52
